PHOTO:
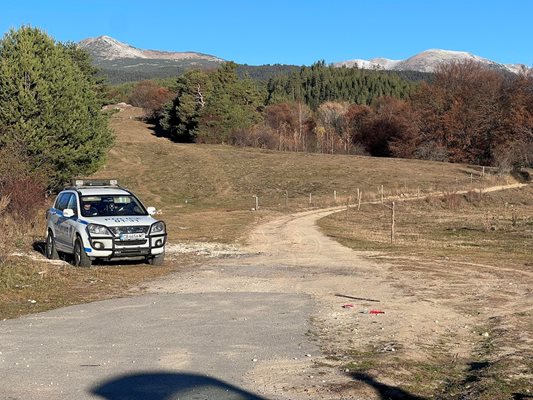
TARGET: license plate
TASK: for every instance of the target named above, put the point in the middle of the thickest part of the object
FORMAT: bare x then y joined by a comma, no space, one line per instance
132,236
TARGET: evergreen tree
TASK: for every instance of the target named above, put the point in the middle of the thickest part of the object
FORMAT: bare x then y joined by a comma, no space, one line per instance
320,83
234,106
181,117
49,106
210,108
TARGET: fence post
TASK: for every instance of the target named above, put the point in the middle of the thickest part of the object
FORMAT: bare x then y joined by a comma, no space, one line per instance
359,195
256,202
310,199
347,207
335,196
392,225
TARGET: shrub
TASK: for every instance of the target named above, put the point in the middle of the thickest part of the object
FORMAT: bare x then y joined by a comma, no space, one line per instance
151,98
22,190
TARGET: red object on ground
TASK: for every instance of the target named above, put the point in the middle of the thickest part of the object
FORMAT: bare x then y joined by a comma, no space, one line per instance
347,306
376,312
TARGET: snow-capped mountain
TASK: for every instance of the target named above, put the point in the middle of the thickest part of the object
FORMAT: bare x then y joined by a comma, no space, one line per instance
428,61
107,48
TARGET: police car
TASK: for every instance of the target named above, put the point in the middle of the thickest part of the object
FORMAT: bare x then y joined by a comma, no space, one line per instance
95,219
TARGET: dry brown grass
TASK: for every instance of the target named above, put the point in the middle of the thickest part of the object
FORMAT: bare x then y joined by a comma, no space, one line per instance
494,229
473,253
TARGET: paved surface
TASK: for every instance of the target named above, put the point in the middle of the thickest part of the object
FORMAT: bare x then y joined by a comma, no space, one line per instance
158,346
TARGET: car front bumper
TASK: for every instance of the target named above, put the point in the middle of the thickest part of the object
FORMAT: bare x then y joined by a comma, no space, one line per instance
106,247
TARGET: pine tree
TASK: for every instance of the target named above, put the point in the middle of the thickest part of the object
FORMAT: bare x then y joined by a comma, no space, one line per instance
233,106
49,106
181,117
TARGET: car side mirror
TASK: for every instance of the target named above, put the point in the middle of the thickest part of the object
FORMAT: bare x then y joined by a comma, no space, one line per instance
68,213
151,210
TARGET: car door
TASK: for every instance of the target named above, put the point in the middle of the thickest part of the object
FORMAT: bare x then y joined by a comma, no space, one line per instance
55,214
63,226
71,223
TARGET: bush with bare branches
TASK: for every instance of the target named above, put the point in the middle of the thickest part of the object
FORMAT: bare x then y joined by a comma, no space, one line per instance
22,189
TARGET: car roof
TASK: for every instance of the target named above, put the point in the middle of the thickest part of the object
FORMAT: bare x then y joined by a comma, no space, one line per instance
98,191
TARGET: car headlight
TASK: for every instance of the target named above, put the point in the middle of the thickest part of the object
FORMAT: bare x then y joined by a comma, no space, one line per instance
157,228
98,230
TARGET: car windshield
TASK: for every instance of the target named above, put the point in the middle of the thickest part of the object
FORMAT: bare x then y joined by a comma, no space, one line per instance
110,206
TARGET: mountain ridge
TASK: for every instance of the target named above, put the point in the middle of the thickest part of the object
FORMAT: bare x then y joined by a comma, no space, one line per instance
428,61
122,62
107,48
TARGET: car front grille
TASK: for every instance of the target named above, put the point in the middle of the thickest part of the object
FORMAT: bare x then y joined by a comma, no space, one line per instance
119,230
123,243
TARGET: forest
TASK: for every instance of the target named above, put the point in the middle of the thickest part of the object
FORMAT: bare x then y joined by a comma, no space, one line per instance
463,112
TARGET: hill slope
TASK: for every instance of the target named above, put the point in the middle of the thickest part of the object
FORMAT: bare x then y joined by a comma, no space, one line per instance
199,187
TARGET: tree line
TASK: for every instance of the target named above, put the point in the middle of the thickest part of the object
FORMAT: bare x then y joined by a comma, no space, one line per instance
463,113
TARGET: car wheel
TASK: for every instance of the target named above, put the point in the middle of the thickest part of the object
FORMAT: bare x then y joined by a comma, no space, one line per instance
156,261
80,257
50,247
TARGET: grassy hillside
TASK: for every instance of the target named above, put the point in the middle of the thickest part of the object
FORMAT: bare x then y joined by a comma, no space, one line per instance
206,192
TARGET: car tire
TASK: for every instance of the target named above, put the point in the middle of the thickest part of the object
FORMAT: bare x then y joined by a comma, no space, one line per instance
80,257
156,261
50,247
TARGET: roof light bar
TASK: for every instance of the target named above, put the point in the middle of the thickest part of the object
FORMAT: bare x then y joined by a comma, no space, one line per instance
94,182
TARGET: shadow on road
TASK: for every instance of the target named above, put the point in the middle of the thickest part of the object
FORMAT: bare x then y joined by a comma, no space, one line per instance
167,386
386,392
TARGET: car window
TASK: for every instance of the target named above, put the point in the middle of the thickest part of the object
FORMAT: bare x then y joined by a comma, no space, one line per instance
110,206
62,201
73,204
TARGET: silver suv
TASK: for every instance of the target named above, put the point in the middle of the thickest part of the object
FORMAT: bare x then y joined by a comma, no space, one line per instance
95,219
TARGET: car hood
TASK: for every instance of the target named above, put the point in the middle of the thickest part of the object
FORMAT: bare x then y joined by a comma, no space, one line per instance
121,221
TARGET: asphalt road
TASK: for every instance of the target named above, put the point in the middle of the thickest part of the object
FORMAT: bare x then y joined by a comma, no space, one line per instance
155,347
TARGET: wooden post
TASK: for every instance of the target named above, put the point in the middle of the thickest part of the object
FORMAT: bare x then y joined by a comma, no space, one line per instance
347,207
483,172
335,196
310,199
392,227
256,202
359,195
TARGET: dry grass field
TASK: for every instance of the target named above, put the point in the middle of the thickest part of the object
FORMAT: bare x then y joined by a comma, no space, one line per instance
206,192
472,253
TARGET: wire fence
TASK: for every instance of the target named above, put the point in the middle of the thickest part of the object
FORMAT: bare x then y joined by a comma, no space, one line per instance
292,201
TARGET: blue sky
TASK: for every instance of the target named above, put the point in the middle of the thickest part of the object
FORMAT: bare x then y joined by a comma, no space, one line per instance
291,32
